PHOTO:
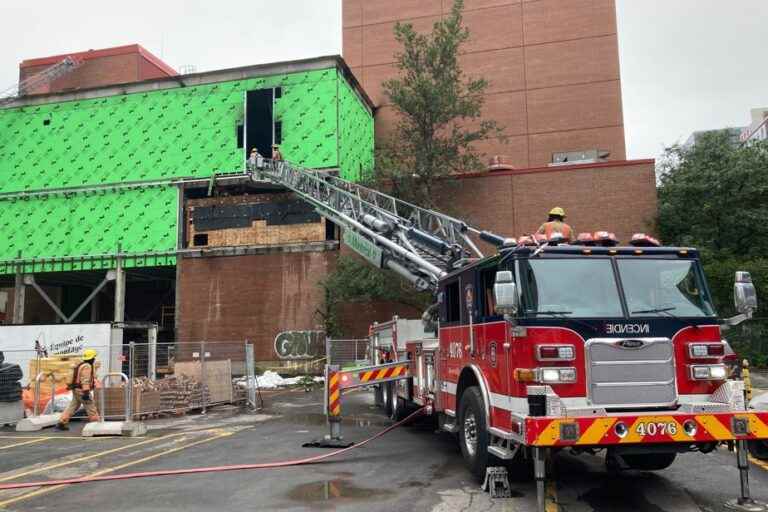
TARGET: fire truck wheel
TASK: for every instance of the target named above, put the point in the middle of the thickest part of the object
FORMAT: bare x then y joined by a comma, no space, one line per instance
473,431
388,397
758,449
398,409
649,461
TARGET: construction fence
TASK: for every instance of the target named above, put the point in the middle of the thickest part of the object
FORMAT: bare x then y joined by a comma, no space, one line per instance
165,378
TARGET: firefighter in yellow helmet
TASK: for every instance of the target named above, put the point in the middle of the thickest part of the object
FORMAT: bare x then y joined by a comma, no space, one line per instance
556,225
83,379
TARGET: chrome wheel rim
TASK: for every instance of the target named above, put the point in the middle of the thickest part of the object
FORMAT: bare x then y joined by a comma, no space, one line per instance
470,434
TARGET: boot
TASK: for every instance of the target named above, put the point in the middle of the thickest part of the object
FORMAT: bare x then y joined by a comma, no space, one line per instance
62,426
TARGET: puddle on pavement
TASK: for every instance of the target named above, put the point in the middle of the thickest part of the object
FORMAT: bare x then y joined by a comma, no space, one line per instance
330,490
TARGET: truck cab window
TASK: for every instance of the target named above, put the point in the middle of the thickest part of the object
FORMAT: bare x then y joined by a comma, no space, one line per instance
452,303
487,300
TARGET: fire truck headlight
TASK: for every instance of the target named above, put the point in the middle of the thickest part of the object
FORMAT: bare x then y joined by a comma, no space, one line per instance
550,375
708,372
556,375
699,351
555,352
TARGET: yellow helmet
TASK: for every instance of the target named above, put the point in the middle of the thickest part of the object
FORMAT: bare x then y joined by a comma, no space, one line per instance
89,354
557,211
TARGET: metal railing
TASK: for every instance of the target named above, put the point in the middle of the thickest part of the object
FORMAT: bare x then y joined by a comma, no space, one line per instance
37,390
127,395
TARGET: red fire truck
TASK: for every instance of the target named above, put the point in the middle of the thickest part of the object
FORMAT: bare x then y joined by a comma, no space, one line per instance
544,345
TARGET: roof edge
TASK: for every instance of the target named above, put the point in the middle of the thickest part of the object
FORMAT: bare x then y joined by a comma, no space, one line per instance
195,79
556,168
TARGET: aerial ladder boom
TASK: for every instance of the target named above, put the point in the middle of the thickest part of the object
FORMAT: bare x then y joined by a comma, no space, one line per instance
419,244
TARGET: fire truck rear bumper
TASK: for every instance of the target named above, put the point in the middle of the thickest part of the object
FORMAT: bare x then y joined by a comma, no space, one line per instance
619,429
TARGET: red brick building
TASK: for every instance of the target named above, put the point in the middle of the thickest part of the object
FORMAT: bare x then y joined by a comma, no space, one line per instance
107,66
553,68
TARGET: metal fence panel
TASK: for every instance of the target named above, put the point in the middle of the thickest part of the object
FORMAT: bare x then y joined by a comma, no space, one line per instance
348,352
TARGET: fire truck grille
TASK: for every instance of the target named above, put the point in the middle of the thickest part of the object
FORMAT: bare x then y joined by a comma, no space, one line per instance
631,372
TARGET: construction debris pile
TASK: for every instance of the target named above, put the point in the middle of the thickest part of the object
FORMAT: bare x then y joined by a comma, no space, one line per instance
273,380
175,394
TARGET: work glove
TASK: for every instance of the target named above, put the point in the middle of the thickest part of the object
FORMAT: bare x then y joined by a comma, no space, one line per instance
87,396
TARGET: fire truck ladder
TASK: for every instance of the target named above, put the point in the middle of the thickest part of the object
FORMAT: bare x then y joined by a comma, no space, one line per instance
419,244
47,75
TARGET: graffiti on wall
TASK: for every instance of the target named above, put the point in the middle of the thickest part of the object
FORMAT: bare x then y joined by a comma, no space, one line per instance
300,344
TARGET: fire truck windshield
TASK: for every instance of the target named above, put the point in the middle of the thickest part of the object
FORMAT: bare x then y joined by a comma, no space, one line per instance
569,287
664,288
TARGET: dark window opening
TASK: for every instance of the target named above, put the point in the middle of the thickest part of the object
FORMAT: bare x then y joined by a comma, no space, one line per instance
278,92
46,122
330,230
452,303
278,132
240,135
200,239
258,121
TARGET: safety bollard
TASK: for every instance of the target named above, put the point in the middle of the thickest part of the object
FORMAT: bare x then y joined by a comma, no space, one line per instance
747,380
333,401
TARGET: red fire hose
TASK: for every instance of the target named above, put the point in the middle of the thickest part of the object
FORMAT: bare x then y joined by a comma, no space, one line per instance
211,469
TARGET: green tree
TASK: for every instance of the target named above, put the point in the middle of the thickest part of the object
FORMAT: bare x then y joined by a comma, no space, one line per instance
714,195
440,111
354,281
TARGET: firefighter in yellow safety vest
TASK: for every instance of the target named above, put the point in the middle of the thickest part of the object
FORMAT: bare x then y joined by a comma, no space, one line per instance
556,225
83,379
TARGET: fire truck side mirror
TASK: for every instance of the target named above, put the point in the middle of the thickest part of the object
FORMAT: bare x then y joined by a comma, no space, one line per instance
744,294
505,293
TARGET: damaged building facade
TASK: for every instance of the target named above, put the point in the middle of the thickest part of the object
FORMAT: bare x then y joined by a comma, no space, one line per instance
150,176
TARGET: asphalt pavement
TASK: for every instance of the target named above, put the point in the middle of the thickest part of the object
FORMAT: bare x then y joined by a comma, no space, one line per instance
411,468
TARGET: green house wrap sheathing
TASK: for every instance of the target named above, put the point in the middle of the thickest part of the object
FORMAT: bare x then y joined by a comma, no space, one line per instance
73,228
180,132
157,134
355,134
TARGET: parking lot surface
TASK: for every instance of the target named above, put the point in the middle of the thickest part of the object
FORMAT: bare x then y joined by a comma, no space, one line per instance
411,468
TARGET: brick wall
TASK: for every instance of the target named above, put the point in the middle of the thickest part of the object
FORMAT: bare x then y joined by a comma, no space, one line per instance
619,197
553,67
251,297
108,66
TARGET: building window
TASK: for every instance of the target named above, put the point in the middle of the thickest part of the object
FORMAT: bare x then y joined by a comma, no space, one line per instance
200,240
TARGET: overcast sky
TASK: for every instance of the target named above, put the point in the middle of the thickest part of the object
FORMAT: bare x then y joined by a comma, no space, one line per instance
686,64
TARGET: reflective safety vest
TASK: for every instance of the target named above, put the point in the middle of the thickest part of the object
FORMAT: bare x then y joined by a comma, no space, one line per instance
82,377
553,227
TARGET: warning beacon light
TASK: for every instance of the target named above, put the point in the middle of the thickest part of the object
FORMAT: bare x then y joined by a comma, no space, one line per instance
585,239
643,240
605,239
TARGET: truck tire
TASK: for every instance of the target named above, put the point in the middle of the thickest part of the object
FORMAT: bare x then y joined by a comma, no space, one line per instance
473,432
398,408
387,395
758,449
649,461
